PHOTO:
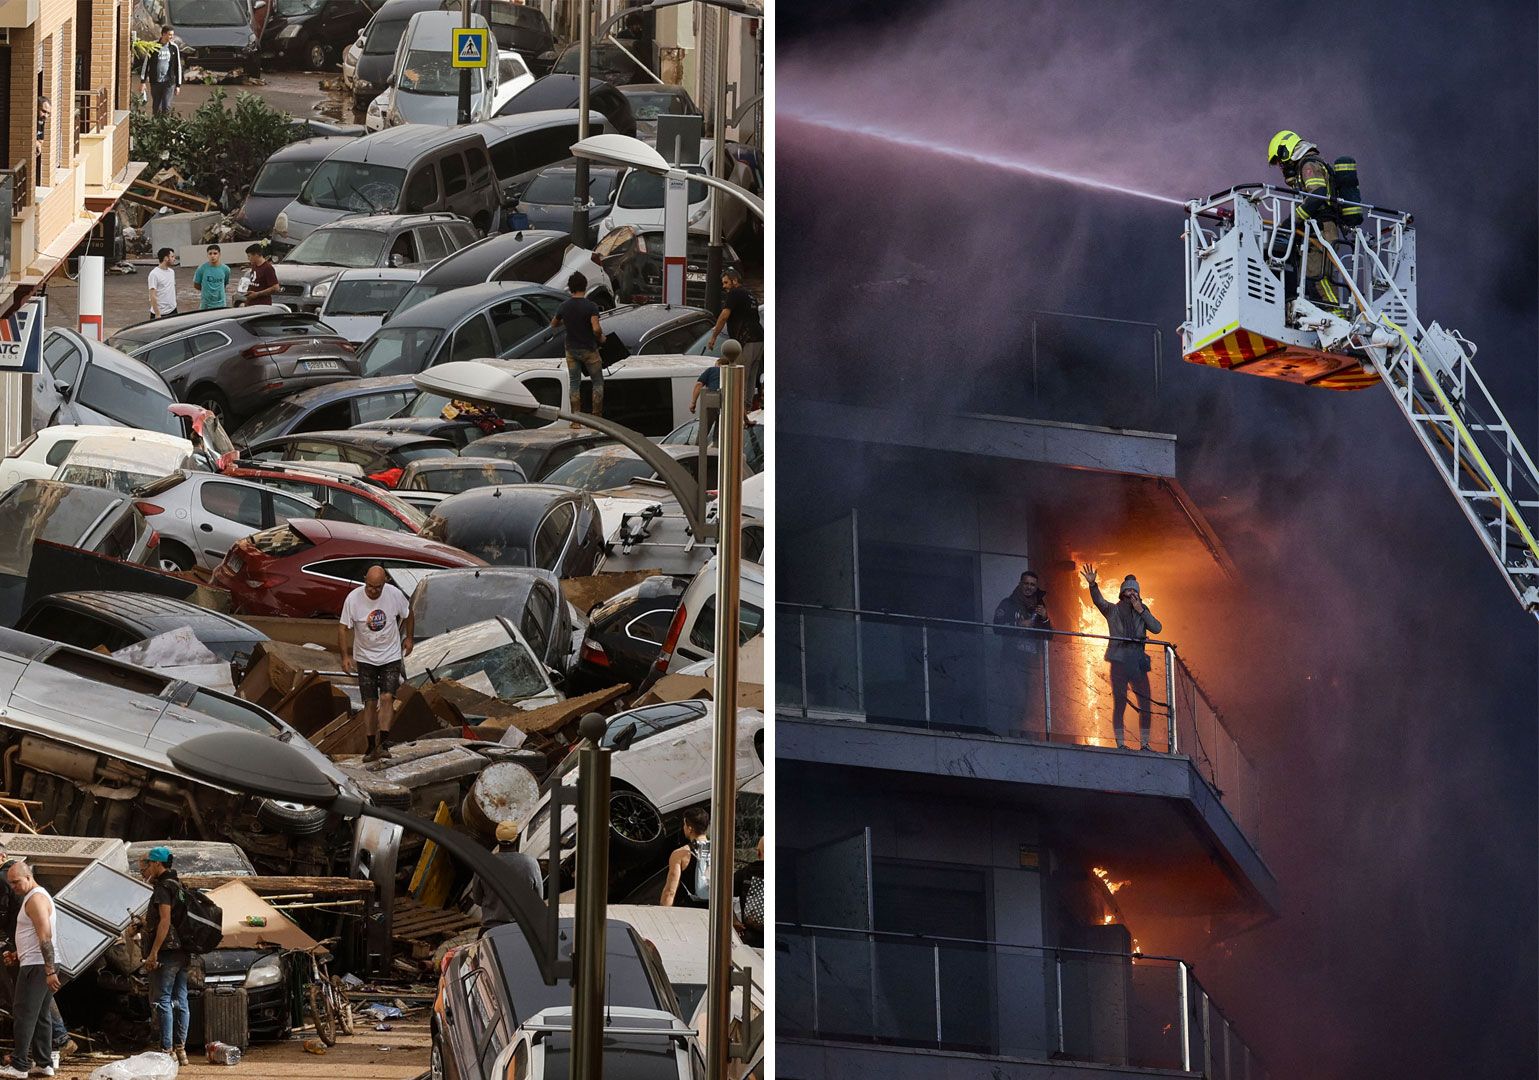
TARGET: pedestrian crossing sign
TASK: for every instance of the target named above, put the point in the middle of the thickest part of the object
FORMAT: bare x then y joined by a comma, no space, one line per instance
470,47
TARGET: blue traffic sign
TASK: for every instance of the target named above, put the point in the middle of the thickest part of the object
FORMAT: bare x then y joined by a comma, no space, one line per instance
470,47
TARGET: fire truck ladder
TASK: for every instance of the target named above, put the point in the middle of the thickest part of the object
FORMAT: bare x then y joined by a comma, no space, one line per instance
1431,373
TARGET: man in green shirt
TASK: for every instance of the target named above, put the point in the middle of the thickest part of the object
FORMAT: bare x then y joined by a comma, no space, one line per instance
213,278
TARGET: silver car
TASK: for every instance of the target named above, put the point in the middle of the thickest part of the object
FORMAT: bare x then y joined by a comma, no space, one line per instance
86,382
200,516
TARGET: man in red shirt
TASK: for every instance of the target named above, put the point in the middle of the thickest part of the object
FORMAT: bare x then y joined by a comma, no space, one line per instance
264,279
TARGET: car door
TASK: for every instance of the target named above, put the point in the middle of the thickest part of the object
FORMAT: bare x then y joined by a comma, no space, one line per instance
368,407
64,360
432,245
224,512
539,613
169,359
473,340
550,539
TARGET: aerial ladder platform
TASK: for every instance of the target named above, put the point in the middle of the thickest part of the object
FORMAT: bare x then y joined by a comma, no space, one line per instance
1247,309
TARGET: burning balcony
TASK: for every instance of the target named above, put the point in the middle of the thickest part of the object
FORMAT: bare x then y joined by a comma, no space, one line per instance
1026,717
857,993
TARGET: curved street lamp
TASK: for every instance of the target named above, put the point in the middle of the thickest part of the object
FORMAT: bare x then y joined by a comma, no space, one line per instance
622,150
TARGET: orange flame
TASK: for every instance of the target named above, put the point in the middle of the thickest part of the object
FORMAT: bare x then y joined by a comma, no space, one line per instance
1105,876
1108,919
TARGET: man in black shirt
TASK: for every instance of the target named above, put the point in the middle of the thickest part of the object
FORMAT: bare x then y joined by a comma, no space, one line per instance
164,957
580,316
740,319
1015,702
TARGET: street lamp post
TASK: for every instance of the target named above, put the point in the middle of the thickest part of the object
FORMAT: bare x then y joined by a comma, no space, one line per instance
718,161
579,232
592,900
464,110
631,153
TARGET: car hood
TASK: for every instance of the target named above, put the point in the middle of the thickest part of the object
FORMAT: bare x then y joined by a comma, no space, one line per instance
259,212
231,961
305,274
440,109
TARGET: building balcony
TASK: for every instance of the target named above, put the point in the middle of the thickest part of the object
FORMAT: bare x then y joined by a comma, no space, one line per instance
1025,717
854,1003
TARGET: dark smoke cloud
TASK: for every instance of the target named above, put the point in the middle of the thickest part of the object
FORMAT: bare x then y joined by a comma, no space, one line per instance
1373,663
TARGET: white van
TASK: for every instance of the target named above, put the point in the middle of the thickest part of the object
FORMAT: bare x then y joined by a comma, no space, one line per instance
124,462
649,394
39,456
692,636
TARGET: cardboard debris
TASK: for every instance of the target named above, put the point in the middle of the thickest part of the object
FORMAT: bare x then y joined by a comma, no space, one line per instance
552,718
277,669
587,593
237,902
681,687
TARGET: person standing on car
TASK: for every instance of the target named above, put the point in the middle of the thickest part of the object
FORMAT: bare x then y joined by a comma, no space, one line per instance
689,867
1129,622
37,980
165,959
375,638
162,72
264,278
580,316
212,280
162,282
740,318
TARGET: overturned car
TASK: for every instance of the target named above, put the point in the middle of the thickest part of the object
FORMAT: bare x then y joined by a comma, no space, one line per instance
87,737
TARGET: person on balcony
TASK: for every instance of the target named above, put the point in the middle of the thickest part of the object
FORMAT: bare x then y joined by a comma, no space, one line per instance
1018,658
1129,622
162,72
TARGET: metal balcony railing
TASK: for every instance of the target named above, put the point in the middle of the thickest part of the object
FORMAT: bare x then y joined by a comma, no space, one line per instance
20,180
977,678
1017,1001
92,111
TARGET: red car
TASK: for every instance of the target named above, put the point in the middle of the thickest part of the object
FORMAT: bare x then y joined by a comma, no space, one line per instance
305,568
353,500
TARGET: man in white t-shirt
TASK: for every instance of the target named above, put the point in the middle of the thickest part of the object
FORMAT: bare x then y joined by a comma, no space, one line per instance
163,285
375,636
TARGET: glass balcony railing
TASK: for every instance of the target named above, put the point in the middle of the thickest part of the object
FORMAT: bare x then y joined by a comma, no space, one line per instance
1002,1000
977,678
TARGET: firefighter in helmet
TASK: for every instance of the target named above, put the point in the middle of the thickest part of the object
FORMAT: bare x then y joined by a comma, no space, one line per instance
1305,171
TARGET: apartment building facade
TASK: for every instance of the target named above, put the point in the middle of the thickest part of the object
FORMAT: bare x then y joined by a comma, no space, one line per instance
65,91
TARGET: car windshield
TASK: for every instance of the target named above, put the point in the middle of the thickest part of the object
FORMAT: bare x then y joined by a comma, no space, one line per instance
649,105
269,423
644,191
353,185
131,403
208,13
282,178
398,350
598,472
418,293
356,249
298,7
458,479
481,649
43,511
417,453
556,186
431,71
366,296
383,37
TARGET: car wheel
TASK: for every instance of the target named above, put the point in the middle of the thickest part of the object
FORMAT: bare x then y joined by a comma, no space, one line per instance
174,557
315,56
207,397
291,818
633,819
436,1059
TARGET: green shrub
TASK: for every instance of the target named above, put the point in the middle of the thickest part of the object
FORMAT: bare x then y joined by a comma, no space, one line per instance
214,144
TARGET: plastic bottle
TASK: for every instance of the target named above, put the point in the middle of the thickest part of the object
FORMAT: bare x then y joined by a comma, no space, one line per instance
220,1053
255,920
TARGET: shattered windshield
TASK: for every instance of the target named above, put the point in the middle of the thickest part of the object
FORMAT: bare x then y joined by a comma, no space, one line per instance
479,655
353,185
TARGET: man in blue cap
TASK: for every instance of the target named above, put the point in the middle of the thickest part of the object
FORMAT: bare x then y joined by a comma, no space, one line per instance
164,957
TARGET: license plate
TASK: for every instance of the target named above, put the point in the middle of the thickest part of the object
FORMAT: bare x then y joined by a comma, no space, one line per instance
322,365
234,563
694,277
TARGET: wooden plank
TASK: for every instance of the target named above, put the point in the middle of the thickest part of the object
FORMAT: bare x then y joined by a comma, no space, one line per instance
273,886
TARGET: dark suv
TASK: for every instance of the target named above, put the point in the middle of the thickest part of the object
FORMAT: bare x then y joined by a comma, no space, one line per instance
359,243
236,361
489,990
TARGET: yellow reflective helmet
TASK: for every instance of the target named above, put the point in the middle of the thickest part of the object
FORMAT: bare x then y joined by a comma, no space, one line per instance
1284,147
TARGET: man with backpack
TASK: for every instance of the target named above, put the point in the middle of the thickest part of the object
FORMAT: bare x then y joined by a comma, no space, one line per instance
689,867
166,958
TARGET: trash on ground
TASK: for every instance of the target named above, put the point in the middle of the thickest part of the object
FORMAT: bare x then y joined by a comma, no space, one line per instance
152,1066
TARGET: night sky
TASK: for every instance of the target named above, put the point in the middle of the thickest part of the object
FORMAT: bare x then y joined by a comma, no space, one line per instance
1372,663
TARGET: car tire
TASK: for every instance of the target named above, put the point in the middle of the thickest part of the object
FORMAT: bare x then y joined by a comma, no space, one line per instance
207,397
174,557
436,1057
634,823
290,818
315,56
